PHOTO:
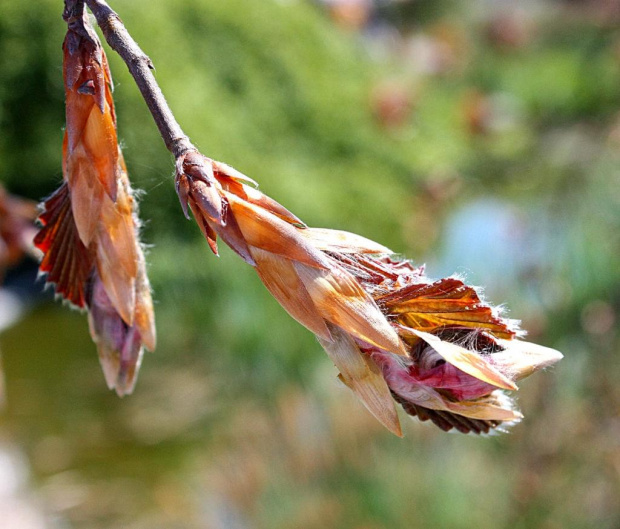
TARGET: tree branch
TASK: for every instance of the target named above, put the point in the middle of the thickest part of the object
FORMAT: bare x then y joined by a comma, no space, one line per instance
140,67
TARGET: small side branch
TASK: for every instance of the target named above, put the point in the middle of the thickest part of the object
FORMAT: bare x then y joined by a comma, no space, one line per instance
140,67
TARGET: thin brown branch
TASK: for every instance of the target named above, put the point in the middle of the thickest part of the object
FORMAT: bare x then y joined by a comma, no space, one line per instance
140,67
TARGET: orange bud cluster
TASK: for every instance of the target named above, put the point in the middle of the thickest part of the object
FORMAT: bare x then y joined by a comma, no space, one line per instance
394,335
89,236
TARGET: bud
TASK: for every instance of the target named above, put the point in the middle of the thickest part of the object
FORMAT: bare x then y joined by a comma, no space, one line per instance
89,234
434,347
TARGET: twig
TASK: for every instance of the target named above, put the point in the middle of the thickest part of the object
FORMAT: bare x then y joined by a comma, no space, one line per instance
140,67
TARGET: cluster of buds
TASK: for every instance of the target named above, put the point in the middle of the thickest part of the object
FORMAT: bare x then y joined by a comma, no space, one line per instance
91,251
394,335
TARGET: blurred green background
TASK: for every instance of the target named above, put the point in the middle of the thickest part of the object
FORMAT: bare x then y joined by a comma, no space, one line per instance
478,136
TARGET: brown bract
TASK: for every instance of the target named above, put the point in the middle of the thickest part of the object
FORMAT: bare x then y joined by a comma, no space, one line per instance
290,260
434,347
89,236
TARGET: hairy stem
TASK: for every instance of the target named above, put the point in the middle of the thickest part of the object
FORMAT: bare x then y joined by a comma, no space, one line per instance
140,67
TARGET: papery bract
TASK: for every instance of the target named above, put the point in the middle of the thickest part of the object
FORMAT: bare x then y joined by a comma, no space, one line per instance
435,347
91,251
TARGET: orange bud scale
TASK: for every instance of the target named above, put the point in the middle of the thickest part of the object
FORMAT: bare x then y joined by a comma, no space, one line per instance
91,252
393,334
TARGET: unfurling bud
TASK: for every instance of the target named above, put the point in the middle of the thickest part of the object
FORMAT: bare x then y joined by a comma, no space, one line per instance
433,346
89,234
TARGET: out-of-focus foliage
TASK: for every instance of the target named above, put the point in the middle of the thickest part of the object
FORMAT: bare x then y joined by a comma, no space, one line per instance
469,134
